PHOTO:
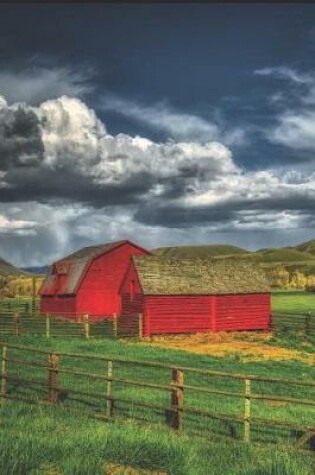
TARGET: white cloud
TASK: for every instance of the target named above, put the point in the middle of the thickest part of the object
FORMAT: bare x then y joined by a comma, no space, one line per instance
75,139
295,130
37,84
177,125
295,124
15,226
283,72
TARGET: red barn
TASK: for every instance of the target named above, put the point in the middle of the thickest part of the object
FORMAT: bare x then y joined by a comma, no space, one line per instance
195,295
88,281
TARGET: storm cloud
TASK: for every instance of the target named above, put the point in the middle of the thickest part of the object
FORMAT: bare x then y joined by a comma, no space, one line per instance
64,175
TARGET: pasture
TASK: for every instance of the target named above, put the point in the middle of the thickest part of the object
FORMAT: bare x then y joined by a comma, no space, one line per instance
51,439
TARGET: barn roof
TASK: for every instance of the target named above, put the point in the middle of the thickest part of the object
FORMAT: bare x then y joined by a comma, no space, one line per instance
73,267
195,276
88,253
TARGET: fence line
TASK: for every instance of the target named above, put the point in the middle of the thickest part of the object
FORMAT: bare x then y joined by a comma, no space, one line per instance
54,376
17,323
288,321
63,325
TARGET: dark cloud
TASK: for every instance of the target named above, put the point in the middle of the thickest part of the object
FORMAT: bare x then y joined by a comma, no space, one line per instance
20,138
42,185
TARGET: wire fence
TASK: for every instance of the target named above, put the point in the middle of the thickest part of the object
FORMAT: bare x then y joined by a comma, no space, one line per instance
211,403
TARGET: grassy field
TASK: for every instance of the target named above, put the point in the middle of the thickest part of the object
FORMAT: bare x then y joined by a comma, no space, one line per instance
37,440
32,436
291,302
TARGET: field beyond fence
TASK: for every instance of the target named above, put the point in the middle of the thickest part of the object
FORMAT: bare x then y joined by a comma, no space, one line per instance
254,408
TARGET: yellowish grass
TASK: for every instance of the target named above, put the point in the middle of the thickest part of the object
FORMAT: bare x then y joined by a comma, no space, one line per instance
248,346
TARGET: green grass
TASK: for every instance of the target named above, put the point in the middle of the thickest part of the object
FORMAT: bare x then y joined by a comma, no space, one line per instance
299,302
295,414
32,437
75,444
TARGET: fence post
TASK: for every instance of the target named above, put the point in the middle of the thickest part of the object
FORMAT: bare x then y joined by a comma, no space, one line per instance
177,399
47,325
4,372
247,410
307,323
33,295
86,326
115,325
16,324
53,377
140,322
109,392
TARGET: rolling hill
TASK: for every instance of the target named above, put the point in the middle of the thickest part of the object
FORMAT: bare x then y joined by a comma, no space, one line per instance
308,246
211,250
8,269
41,270
302,253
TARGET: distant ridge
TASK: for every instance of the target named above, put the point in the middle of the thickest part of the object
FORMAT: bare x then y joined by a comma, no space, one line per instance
37,270
8,269
210,250
308,246
302,253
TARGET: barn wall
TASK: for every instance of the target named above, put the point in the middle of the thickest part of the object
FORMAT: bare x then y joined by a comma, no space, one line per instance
98,294
61,306
132,300
242,312
176,314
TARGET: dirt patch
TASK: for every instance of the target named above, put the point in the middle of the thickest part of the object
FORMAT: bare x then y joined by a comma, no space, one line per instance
248,346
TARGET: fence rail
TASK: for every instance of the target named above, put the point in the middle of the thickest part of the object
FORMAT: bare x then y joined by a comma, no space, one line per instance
290,321
64,325
186,397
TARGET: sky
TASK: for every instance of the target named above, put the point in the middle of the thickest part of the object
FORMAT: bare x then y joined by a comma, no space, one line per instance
163,124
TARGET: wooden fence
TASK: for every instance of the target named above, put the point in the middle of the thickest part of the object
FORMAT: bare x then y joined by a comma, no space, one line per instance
184,398
21,324
291,321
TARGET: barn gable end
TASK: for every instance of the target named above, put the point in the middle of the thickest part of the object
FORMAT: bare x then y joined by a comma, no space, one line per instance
88,281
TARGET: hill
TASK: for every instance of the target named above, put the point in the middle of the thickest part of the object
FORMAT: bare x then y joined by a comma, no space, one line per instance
8,269
308,246
43,270
283,255
303,254
211,250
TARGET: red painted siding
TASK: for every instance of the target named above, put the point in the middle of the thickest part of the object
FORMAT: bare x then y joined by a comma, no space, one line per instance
132,299
164,314
242,312
176,314
98,294
62,306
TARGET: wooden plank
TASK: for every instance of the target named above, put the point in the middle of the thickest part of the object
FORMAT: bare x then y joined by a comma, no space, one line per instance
177,399
4,371
247,410
109,392
47,326
53,377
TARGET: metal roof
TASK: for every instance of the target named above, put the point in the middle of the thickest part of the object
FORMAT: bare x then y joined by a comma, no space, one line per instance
89,253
